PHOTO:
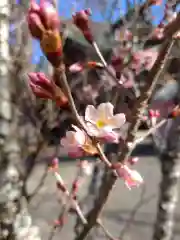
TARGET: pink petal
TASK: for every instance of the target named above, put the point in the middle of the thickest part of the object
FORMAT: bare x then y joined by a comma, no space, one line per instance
110,137
91,114
105,110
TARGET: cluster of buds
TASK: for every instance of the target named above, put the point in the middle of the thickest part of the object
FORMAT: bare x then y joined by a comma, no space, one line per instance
81,20
45,88
43,22
154,115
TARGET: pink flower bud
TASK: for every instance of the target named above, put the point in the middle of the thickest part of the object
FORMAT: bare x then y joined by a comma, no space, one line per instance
35,25
49,15
41,86
154,113
55,163
42,17
34,7
81,20
131,177
44,88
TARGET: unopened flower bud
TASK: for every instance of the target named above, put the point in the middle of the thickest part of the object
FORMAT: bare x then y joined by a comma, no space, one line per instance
55,163
81,20
49,15
41,86
45,88
154,114
35,25
131,177
34,7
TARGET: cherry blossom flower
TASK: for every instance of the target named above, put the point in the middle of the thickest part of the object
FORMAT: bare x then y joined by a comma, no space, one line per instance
131,177
102,123
76,143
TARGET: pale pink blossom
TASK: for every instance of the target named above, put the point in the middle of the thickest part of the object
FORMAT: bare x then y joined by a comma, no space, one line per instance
102,123
131,177
77,143
73,142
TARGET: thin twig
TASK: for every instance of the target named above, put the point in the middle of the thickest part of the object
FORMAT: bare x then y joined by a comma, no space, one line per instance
104,229
149,132
39,186
141,102
72,201
134,211
78,119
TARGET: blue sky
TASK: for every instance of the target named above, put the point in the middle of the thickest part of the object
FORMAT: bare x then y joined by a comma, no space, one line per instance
65,11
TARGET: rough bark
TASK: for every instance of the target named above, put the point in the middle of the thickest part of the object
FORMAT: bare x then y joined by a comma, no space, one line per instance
168,192
9,178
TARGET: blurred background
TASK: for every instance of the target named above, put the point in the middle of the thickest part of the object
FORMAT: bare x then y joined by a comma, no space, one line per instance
31,128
